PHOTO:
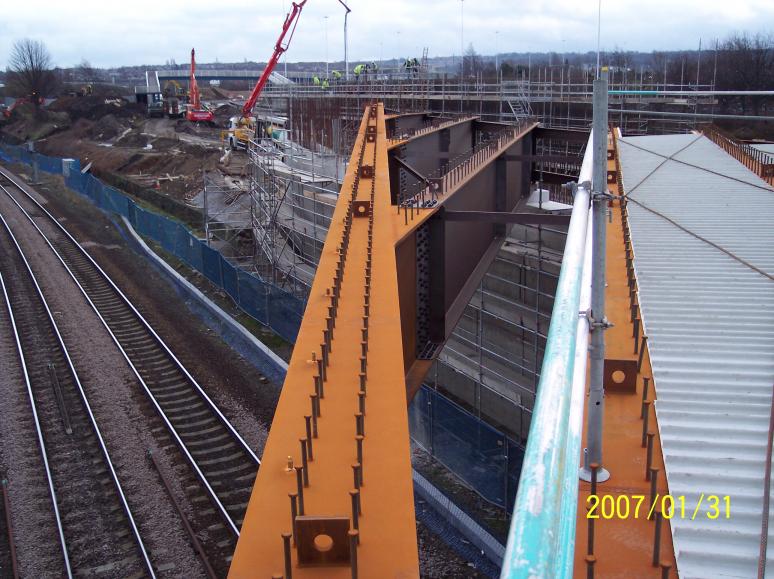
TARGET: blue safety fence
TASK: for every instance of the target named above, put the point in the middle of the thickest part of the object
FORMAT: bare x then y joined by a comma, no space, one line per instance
268,304
482,456
22,155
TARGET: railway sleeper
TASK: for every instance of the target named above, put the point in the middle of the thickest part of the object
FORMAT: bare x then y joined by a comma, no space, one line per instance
209,440
177,396
112,569
181,414
151,357
211,449
166,372
145,347
127,333
180,406
237,456
114,308
171,382
239,494
185,429
229,473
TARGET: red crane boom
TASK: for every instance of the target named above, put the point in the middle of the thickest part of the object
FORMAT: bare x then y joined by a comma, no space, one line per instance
290,25
194,89
195,112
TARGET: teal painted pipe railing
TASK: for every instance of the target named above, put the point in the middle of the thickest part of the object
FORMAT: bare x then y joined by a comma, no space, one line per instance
541,541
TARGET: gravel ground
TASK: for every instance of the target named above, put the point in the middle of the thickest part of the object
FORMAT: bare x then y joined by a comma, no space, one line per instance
233,383
116,401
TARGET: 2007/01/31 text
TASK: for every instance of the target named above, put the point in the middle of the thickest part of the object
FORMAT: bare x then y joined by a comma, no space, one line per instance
640,506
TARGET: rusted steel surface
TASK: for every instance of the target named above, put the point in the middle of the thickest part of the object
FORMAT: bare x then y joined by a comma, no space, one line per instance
339,443
348,343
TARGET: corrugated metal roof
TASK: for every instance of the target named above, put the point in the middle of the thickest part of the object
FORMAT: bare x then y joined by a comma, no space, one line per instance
710,325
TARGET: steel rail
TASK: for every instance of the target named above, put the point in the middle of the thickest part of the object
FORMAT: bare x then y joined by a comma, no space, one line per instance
41,443
84,399
170,427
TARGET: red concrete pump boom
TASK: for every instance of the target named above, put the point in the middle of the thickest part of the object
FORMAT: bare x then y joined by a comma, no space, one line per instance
195,100
195,112
290,25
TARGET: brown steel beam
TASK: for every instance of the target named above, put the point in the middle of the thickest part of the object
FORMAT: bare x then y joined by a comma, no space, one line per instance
411,170
506,217
545,158
554,178
568,135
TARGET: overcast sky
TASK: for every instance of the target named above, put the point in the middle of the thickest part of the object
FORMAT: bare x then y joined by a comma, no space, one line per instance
153,31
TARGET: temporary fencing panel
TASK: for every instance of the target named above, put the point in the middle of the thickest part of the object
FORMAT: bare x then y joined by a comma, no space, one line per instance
230,280
284,312
252,297
49,164
261,300
211,269
168,233
482,456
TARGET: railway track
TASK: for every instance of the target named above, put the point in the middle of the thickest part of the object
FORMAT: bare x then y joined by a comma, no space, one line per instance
223,464
97,532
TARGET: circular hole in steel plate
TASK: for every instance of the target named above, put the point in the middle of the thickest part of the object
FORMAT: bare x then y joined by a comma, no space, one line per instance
618,377
323,543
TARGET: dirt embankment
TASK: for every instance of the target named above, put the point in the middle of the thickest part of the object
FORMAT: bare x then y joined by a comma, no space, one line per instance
116,136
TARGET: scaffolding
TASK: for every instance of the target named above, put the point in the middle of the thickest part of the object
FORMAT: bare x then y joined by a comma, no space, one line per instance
552,95
294,193
227,211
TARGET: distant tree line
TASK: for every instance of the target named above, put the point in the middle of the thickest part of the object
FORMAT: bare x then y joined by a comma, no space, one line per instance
743,62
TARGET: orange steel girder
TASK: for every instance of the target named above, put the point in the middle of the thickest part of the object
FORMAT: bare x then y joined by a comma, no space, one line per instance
354,359
387,526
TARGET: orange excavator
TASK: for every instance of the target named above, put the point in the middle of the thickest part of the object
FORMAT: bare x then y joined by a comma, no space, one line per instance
242,129
18,102
195,112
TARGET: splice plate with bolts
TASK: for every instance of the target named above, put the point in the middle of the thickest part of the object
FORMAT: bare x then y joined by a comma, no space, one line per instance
322,540
361,208
620,376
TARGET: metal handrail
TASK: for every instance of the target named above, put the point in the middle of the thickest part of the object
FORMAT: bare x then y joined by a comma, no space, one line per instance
541,538
759,162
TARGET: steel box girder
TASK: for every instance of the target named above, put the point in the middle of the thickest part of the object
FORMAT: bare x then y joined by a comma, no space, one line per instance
440,267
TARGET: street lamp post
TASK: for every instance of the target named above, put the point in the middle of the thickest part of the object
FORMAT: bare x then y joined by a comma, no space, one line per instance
326,47
346,41
497,53
462,38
